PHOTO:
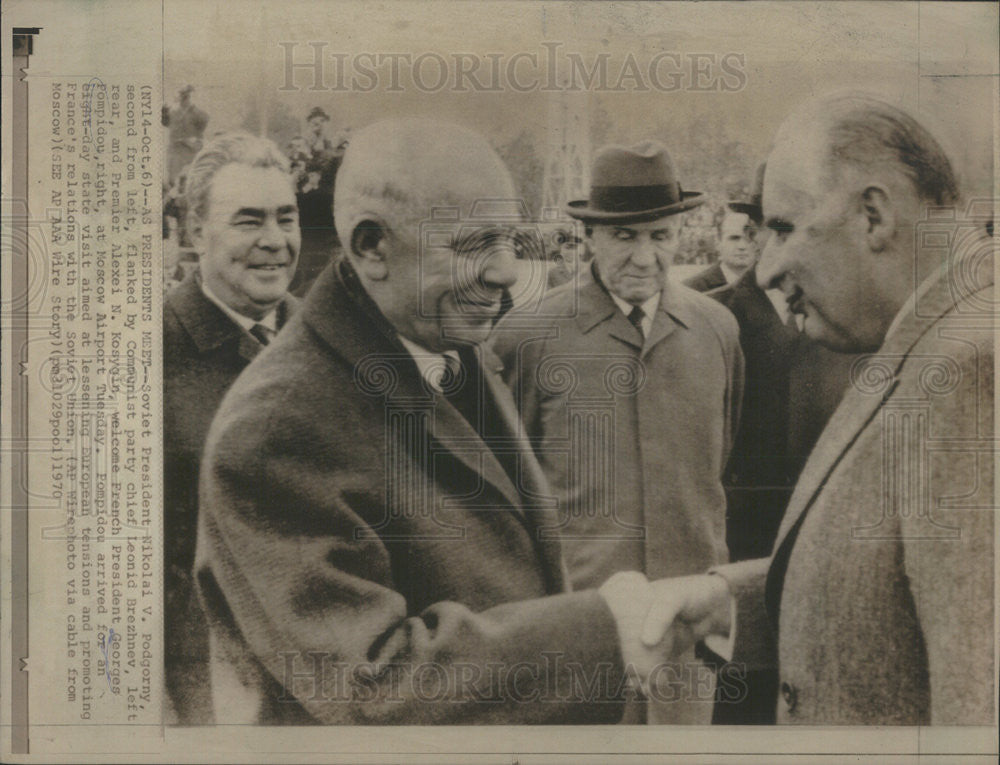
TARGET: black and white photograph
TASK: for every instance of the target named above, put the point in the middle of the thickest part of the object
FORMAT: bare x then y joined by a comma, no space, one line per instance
475,365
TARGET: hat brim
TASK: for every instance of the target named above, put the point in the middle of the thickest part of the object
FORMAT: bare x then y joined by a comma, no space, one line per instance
581,210
747,208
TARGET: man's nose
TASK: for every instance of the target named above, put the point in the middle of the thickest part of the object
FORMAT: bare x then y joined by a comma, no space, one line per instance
644,253
272,237
771,266
498,268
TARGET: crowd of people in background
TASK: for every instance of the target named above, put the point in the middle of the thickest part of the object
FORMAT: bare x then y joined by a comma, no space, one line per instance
314,157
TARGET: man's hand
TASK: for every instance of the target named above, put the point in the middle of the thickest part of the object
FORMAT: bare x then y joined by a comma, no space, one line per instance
629,597
660,620
685,610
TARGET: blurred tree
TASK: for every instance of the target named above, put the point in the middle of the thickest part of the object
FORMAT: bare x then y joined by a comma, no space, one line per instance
526,167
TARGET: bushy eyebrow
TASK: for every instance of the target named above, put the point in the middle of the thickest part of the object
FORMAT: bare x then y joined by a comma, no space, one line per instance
257,212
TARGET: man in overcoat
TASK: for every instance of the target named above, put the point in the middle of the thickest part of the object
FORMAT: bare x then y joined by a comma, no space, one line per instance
876,604
374,540
245,229
629,388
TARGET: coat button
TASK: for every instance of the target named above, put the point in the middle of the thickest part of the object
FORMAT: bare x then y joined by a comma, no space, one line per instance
790,694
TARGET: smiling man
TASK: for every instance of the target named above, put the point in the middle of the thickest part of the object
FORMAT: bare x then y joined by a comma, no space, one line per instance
371,546
244,225
631,396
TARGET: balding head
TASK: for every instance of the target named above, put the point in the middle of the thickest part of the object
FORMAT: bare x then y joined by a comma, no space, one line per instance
847,182
395,174
403,169
863,133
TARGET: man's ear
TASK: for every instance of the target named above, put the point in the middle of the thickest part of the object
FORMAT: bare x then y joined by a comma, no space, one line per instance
876,203
196,232
369,246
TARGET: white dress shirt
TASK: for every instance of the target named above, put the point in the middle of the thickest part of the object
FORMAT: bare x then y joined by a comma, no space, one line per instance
648,310
270,320
432,366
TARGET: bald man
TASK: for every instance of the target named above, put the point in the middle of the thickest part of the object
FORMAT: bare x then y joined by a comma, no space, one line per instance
372,543
877,601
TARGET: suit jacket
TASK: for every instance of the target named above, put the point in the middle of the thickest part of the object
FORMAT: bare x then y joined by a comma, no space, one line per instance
709,279
877,602
792,387
365,556
632,433
203,353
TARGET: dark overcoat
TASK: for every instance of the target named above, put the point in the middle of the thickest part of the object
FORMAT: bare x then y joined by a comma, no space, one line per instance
365,556
204,351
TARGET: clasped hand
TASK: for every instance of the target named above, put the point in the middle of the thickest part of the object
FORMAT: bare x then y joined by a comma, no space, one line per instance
660,620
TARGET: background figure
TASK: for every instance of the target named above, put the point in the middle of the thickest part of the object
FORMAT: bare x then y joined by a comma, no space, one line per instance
186,123
315,161
567,259
660,365
245,231
737,230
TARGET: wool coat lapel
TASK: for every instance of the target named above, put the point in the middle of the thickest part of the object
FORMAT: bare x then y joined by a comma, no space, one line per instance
873,381
333,311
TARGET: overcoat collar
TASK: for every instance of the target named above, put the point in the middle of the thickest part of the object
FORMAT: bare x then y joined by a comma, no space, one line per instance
596,309
343,315
208,326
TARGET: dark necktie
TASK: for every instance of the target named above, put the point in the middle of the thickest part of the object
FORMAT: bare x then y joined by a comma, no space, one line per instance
262,333
470,395
635,317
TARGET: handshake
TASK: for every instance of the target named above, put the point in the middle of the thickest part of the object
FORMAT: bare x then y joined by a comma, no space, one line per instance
660,620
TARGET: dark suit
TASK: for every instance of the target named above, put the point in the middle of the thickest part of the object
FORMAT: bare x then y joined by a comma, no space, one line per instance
709,279
355,524
877,602
792,387
203,352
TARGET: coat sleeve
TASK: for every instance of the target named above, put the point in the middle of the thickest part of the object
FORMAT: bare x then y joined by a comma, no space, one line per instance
949,557
288,562
754,644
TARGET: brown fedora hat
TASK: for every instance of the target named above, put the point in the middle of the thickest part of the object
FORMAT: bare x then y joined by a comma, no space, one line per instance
632,185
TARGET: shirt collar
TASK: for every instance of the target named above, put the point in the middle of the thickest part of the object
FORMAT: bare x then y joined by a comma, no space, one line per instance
648,307
270,320
432,366
648,310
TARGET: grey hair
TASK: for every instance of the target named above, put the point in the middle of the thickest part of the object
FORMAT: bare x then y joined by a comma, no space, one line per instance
862,130
222,150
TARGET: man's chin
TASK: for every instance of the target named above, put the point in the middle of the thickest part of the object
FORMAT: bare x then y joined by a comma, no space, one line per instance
457,335
825,335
